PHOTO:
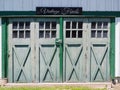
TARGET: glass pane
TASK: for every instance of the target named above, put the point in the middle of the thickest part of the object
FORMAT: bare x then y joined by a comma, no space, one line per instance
53,34
15,25
47,26
74,25
53,25
67,25
93,25
105,34
27,25
41,25
99,34
93,34
41,34
15,34
105,25
73,34
21,34
99,25
79,34
80,25
47,34
27,34
67,34
21,25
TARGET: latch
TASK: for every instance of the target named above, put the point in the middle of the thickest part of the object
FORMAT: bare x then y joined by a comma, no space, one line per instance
58,42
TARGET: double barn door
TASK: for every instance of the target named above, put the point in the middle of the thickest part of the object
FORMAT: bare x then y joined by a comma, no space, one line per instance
39,53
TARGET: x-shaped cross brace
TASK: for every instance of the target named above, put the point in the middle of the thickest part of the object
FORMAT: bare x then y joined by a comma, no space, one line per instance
98,63
22,69
74,68
48,64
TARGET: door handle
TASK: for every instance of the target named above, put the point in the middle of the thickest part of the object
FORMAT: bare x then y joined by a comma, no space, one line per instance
58,41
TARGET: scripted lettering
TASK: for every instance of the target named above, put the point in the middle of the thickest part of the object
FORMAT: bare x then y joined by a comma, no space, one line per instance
58,11
68,11
49,11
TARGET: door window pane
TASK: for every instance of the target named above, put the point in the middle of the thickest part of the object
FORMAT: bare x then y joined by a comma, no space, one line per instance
47,25
74,25
41,34
99,25
79,34
80,25
22,29
73,34
105,25
21,25
67,25
105,34
47,34
41,25
15,34
99,34
27,25
93,25
93,32
27,34
47,29
15,25
53,25
53,34
67,34
21,34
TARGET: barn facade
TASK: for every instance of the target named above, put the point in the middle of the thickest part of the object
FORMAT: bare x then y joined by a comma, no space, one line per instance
59,41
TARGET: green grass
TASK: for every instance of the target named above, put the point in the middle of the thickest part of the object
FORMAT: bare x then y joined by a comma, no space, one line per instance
49,88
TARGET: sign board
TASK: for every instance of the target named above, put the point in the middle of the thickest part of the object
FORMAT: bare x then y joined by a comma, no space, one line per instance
58,10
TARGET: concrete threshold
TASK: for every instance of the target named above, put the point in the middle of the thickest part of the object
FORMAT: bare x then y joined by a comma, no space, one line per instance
92,85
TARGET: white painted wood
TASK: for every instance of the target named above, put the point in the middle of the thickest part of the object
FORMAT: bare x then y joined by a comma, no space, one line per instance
0,49
87,5
117,47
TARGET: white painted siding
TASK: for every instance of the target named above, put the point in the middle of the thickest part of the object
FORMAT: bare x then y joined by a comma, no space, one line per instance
2,4
117,47
88,5
0,49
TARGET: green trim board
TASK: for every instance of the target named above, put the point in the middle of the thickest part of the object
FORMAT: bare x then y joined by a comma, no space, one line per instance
6,13
4,48
84,13
102,13
112,48
61,49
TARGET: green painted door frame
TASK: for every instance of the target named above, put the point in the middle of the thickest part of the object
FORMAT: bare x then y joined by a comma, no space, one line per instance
61,49
112,48
5,48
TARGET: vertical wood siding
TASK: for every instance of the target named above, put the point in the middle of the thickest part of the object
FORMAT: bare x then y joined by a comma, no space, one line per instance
88,5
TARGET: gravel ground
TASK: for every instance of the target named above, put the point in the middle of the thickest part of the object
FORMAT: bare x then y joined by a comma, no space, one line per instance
108,85
115,87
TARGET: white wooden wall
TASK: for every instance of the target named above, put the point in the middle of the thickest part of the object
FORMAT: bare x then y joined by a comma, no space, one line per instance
88,5
117,47
0,49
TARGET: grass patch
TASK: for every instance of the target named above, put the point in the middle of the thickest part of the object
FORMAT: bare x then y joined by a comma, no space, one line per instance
49,88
